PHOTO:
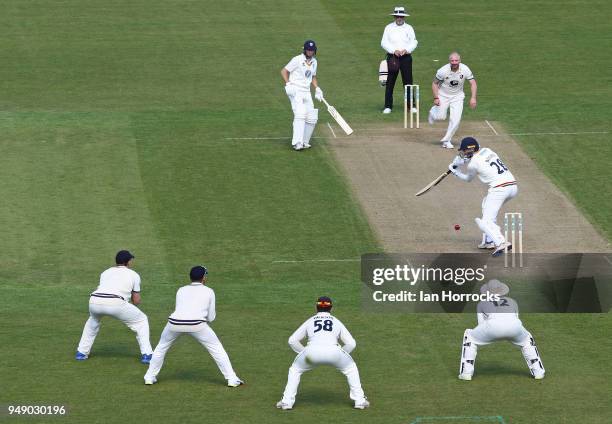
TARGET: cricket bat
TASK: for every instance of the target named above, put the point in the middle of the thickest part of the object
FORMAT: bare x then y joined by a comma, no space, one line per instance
433,183
339,119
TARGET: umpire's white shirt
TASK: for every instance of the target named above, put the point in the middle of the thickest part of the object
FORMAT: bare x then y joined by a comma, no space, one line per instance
398,37
195,304
116,281
301,71
322,329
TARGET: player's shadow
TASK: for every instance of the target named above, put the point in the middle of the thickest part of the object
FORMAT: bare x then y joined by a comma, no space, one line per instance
115,352
202,376
498,368
323,396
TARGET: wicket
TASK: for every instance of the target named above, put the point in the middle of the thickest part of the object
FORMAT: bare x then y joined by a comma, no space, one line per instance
412,94
514,221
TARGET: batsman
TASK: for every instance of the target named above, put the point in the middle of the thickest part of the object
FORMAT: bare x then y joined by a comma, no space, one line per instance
299,74
490,169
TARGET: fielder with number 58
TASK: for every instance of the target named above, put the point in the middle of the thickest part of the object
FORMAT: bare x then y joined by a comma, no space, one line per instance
323,332
490,169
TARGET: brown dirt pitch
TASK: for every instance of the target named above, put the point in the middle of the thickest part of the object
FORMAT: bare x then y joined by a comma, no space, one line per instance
386,166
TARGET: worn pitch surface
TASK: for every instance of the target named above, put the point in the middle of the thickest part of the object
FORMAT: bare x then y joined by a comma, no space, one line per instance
387,166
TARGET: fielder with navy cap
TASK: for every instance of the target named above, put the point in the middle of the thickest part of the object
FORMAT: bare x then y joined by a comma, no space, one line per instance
299,74
490,169
118,285
323,332
195,308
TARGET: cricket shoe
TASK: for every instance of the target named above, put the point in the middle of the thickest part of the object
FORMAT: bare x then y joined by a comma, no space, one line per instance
447,145
80,356
146,359
489,245
284,406
466,377
298,147
501,248
150,381
307,146
538,376
235,383
386,111
362,405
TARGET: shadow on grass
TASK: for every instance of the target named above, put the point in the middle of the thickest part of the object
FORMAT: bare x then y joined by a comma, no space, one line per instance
322,396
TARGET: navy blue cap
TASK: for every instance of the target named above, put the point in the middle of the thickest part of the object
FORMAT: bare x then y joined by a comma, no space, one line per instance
310,45
123,257
469,143
198,272
324,302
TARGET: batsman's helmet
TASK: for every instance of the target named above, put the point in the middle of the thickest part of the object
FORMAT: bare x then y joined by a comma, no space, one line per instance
310,45
469,145
324,304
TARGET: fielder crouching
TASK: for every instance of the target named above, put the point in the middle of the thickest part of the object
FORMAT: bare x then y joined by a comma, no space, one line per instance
195,307
323,332
497,321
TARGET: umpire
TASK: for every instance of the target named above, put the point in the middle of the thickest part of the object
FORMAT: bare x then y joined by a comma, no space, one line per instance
399,41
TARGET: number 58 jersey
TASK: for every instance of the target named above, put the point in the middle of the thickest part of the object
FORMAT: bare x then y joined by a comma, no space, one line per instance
490,169
323,329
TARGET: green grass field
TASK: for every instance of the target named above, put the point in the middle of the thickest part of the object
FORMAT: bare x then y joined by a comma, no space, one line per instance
115,119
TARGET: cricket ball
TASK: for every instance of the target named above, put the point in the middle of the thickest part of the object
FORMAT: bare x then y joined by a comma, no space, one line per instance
457,227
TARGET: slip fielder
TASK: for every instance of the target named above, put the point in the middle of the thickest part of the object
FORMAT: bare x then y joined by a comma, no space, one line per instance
497,321
299,74
195,308
323,332
118,285
447,88
490,169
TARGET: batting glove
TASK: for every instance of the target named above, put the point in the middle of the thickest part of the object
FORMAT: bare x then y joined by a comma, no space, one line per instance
290,89
452,167
458,161
318,94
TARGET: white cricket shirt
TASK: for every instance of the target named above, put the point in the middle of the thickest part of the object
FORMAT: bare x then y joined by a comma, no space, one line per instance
490,169
301,71
398,37
195,303
323,329
119,281
504,308
451,83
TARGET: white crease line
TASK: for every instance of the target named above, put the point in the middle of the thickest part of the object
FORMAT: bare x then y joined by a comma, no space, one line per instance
608,259
562,133
405,135
491,126
316,260
332,130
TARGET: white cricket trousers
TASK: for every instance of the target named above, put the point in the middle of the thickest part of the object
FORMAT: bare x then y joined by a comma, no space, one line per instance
203,334
304,117
438,113
491,204
500,329
314,355
125,312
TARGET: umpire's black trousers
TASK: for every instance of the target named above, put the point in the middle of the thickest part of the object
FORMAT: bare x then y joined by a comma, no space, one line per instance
405,66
